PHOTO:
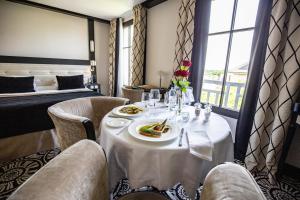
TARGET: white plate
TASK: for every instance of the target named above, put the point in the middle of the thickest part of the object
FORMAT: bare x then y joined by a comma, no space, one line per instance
170,135
117,122
116,111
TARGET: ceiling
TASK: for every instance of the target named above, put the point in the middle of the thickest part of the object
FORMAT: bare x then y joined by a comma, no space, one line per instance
105,9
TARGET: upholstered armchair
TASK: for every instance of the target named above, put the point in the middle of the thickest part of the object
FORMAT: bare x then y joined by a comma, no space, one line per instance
230,181
80,118
79,172
134,95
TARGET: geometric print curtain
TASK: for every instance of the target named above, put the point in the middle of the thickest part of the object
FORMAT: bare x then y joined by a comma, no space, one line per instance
138,45
112,57
185,32
279,89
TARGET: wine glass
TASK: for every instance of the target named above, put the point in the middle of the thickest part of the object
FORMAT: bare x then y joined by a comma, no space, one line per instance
172,99
155,96
188,96
166,99
145,98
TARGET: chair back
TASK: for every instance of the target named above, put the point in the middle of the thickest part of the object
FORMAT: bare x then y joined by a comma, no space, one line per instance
79,172
134,95
80,118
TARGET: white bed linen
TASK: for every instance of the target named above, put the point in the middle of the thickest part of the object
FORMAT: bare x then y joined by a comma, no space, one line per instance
44,92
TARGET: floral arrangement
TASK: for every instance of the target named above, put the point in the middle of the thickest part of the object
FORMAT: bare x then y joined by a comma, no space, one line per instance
181,75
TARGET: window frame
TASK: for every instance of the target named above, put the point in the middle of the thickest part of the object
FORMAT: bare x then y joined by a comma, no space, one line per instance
127,24
219,108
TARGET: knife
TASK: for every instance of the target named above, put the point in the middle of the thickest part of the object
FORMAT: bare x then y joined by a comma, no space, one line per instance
180,137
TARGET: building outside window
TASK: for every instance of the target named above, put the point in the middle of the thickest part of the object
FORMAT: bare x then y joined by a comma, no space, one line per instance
231,28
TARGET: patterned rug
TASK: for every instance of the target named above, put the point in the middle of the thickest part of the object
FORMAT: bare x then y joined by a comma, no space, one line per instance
14,173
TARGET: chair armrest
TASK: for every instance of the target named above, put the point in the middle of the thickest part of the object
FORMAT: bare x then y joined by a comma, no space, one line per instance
79,172
73,127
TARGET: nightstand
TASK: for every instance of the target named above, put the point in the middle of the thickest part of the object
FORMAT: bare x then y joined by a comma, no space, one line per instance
95,87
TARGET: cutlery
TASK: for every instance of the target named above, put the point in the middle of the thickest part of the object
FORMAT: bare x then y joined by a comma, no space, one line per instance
180,137
122,129
114,116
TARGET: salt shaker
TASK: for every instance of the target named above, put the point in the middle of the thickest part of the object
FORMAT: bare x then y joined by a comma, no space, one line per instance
197,109
207,112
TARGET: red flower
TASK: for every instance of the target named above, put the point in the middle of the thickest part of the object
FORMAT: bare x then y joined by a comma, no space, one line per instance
183,73
186,63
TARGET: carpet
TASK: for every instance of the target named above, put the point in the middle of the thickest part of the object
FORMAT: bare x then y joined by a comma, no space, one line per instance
16,172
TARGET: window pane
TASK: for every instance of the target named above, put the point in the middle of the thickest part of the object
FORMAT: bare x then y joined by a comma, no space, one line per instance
214,68
237,69
125,66
125,37
246,14
131,34
220,15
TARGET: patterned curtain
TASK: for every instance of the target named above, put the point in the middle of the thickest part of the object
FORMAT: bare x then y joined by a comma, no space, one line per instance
279,87
185,32
138,45
112,56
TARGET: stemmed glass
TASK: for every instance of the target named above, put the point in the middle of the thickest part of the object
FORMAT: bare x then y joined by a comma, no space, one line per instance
145,98
154,96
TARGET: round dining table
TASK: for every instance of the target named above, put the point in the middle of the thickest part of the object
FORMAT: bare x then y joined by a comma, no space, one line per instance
205,144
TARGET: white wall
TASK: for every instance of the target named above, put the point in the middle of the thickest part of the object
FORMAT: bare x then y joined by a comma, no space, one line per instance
161,37
34,32
101,49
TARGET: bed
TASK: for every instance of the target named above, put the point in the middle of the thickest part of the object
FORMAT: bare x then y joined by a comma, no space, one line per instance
25,126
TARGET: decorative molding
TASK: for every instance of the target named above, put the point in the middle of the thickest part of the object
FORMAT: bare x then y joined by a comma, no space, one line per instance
59,10
151,3
38,60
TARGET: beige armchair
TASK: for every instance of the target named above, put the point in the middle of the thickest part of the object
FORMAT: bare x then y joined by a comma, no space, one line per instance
79,172
232,182
134,95
78,119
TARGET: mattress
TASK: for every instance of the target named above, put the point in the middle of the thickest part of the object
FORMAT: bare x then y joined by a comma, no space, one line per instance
22,113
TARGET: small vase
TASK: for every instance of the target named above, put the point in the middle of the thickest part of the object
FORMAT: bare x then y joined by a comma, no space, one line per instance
179,101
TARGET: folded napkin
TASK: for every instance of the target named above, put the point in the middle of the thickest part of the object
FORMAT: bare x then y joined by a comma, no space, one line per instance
200,144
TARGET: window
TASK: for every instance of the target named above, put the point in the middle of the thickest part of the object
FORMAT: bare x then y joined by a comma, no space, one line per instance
127,44
231,28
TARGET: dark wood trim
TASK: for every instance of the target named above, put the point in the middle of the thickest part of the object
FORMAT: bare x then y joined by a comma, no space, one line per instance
37,60
151,3
117,45
59,10
225,112
128,23
91,33
89,129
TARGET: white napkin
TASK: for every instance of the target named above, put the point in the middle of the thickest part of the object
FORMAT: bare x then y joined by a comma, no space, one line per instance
200,144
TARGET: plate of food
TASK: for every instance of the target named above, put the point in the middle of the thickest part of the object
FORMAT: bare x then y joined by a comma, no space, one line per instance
153,130
128,111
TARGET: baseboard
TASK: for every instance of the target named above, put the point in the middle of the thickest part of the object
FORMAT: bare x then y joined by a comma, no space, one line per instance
291,171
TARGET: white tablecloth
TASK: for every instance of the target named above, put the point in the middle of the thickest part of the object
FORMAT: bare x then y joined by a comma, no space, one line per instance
163,165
